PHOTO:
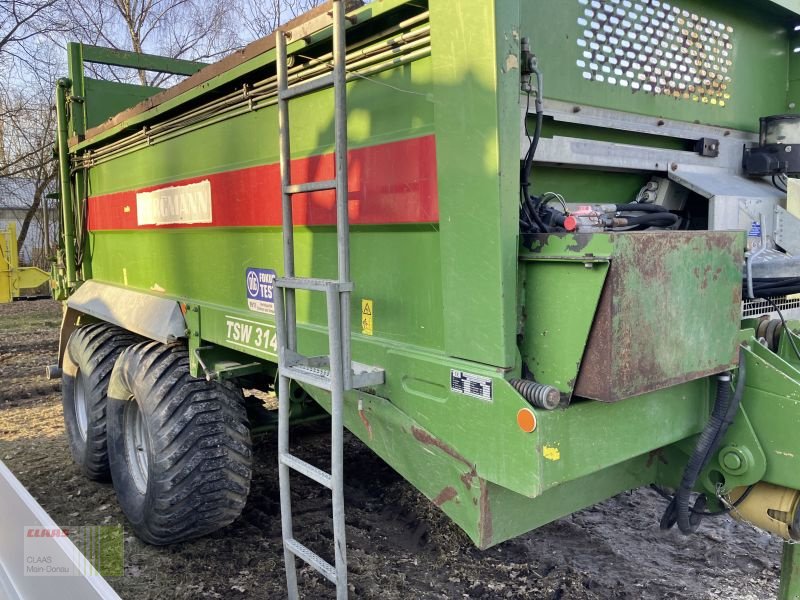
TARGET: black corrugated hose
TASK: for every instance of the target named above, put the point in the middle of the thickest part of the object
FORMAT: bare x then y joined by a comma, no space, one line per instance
725,409
641,207
653,219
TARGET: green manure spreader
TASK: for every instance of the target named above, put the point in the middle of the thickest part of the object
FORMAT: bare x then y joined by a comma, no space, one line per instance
532,253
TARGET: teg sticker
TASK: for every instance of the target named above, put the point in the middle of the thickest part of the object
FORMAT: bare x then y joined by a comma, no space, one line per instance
260,285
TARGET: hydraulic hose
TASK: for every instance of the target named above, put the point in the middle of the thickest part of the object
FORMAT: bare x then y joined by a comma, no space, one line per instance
725,409
770,287
641,207
700,455
659,219
530,204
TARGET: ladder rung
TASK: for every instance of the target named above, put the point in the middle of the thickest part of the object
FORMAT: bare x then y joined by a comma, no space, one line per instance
313,559
312,186
307,469
307,87
310,283
316,377
363,376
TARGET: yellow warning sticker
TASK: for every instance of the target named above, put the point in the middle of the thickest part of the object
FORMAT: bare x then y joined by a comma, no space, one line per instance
366,317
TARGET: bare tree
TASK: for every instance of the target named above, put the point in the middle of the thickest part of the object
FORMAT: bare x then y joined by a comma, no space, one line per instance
29,134
29,172
27,122
260,18
22,23
41,169
190,29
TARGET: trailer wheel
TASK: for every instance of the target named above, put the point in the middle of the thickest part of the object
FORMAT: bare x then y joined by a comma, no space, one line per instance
179,447
88,360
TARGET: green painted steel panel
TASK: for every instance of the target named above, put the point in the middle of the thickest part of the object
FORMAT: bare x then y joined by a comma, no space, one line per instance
407,296
396,107
608,458
116,98
137,60
580,185
772,403
556,330
760,61
790,573
590,436
476,87
669,310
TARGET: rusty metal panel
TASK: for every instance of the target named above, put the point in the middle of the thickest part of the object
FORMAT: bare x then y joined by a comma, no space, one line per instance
669,313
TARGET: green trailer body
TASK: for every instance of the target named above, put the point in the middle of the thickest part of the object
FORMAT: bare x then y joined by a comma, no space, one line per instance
173,206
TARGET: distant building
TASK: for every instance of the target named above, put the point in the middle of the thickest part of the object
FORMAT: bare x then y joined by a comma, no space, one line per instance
16,196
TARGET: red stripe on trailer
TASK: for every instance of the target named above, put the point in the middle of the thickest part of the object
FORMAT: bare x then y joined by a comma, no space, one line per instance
388,183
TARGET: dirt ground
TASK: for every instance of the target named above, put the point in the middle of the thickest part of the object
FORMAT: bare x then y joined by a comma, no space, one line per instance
399,545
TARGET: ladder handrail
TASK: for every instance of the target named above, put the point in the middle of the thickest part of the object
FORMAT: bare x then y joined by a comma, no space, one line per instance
337,296
340,158
286,178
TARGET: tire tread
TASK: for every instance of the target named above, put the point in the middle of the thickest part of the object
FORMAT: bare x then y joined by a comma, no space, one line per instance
200,467
95,348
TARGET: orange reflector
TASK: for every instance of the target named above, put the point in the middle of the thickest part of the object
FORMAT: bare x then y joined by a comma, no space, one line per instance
526,420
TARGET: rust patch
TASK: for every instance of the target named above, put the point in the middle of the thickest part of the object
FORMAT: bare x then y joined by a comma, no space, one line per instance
485,519
445,495
591,380
365,421
630,352
424,437
467,478
704,280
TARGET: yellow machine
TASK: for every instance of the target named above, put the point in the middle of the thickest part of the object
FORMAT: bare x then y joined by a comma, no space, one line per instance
14,278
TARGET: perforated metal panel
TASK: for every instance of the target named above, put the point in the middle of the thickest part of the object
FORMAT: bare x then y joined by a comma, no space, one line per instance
755,308
657,48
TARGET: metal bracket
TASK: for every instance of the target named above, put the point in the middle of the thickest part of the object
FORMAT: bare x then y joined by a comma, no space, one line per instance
707,147
210,375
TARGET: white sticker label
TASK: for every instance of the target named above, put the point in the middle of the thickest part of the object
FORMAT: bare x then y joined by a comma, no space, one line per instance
250,335
183,204
470,384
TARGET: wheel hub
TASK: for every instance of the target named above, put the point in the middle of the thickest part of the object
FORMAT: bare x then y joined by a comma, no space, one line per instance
80,406
136,445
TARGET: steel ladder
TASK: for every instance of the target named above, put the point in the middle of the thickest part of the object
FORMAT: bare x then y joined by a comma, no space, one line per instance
335,372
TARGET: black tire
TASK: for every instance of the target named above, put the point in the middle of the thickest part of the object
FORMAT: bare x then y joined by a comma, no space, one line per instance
88,360
179,447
